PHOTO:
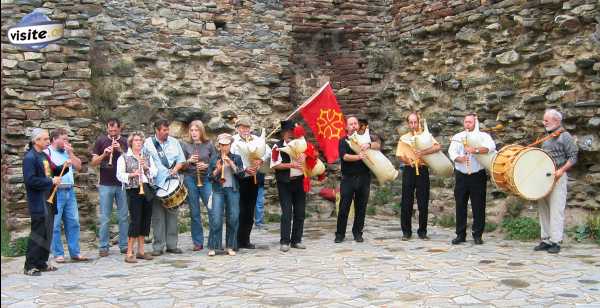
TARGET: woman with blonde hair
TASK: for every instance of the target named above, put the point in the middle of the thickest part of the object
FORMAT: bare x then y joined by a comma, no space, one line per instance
136,170
198,151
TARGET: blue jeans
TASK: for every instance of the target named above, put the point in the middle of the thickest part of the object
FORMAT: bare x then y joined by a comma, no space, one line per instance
260,206
108,194
196,193
67,212
230,199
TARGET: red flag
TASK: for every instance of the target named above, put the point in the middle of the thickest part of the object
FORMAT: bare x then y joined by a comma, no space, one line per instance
323,115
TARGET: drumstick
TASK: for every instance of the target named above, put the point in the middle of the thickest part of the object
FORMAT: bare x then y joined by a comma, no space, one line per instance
51,198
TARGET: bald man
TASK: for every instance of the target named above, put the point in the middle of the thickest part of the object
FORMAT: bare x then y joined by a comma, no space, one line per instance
563,151
355,184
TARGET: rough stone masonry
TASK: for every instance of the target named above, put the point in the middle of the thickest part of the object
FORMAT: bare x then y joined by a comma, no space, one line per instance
212,60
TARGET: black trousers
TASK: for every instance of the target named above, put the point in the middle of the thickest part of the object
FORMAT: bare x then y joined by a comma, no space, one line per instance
472,187
38,245
353,188
410,183
292,199
248,194
140,213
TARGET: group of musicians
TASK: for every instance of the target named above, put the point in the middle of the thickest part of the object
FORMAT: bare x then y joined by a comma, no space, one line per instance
133,169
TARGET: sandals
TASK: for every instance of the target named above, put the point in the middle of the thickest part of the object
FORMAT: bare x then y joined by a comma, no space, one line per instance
80,258
130,259
211,253
32,272
230,252
145,256
60,259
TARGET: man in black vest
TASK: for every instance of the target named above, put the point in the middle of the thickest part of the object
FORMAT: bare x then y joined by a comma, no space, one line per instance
355,184
290,177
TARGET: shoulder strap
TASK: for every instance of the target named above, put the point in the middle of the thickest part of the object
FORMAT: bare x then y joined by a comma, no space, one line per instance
161,154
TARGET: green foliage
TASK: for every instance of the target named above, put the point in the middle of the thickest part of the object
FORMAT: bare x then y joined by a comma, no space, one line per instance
371,210
589,230
514,206
383,195
271,217
521,228
113,218
184,226
94,228
445,220
5,234
490,227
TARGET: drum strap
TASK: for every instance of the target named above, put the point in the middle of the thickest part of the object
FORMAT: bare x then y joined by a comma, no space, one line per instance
554,134
161,154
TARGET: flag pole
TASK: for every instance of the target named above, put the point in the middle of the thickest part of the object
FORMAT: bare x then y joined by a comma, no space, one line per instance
306,102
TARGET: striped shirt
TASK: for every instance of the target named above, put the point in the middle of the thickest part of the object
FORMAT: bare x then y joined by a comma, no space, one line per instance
561,149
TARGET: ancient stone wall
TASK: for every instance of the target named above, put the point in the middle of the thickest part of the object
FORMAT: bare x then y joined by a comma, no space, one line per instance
214,60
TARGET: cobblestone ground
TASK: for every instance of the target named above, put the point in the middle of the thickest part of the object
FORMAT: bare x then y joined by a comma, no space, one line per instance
382,271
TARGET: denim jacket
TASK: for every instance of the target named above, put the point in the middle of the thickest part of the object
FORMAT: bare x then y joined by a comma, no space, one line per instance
236,176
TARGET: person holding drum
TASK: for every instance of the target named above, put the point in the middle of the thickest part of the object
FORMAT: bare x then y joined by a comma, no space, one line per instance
562,149
225,170
355,184
198,152
135,171
169,159
415,181
471,181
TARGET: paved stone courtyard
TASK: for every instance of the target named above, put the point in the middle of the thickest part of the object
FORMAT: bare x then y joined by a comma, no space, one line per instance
383,271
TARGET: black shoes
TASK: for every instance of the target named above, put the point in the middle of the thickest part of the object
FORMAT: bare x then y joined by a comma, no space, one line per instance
542,246
458,240
298,246
248,246
338,239
175,251
359,239
478,241
406,237
424,237
555,248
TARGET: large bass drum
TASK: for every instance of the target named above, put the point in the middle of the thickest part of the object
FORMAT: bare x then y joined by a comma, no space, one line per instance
174,195
525,172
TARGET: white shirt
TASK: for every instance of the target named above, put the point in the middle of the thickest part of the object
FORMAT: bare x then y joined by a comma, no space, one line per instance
234,150
293,171
457,149
122,174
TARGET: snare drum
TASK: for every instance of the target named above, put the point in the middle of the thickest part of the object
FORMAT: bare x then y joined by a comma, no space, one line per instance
526,172
174,195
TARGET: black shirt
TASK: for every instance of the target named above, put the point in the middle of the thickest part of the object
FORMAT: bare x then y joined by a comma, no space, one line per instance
351,167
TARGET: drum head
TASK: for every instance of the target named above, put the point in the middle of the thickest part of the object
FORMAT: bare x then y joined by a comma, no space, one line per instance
533,174
170,186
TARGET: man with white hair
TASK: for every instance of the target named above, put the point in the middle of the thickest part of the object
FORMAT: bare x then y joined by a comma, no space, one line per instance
39,175
563,150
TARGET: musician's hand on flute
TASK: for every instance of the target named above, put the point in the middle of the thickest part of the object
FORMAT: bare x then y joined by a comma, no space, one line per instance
68,148
143,163
218,167
364,147
301,158
68,163
461,159
56,180
361,155
251,170
193,159
134,174
201,166
116,145
258,163
296,165
107,150
470,150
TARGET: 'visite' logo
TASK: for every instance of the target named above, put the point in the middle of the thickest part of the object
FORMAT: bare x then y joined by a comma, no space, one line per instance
35,31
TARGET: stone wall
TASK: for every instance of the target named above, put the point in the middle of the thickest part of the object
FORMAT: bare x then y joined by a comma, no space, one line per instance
216,60
505,60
